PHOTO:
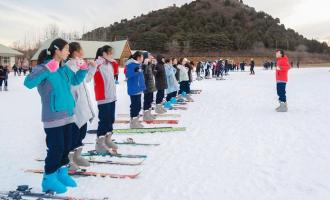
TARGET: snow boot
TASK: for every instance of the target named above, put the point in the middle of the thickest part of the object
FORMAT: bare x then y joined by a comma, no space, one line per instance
168,105
184,94
159,109
50,183
135,123
78,159
64,177
147,116
117,82
188,97
100,146
109,142
72,164
283,107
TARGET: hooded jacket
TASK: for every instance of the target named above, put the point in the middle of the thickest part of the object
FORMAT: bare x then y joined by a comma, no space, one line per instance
135,78
148,72
282,69
104,83
55,91
160,75
84,107
172,83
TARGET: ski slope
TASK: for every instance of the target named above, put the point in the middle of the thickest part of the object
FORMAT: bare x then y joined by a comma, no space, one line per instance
236,146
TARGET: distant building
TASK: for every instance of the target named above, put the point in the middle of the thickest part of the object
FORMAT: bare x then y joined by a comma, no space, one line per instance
121,48
8,55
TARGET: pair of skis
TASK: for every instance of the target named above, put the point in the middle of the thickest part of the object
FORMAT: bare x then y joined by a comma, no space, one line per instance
144,130
25,192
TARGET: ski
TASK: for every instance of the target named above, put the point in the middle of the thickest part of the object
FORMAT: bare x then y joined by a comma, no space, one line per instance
94,153
144,130
150,122
136,144
87,173
130,141
24,191
156,115
108,162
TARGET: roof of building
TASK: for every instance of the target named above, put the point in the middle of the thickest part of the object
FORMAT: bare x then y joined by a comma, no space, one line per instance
6,51
90,47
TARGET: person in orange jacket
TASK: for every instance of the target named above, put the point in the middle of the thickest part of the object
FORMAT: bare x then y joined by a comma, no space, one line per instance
282,68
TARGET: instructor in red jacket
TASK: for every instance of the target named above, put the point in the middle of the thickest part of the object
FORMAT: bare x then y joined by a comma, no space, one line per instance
282,68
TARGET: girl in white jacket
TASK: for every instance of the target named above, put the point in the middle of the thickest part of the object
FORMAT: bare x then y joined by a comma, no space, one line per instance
83,109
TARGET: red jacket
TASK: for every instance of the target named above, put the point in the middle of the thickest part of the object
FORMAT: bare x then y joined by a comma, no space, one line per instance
282,69
104,83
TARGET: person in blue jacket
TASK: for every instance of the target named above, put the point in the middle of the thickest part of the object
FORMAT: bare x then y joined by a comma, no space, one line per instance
54,80
135,86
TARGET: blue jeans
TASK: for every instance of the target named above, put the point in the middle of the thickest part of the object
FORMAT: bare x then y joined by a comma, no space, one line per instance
281,92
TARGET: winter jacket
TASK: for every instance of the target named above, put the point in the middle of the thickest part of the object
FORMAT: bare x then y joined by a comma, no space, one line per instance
84,107
183,73
282,69
4,73
160,76
172,83
104,83
55,91
115,67
135,78
148,72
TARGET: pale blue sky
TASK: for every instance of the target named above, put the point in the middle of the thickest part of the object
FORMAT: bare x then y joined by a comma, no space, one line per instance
29,17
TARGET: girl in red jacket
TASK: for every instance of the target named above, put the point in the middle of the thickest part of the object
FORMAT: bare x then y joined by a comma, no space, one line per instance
282,69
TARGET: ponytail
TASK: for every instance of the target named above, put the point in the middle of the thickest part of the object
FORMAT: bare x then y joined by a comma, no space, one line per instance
47,54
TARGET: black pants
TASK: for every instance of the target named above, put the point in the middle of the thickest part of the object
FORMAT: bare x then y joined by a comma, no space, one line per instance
59,143
281,91
5,81
171,95
184,87
135,105
78,136
252,70
147,101
106,118
116,77
160,96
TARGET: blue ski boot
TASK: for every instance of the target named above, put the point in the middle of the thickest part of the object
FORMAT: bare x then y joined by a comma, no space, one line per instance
64,177
50,183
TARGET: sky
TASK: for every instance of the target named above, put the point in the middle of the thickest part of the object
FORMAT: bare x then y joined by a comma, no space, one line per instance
21,19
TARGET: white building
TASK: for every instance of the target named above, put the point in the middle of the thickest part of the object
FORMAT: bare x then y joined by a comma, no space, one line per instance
8,55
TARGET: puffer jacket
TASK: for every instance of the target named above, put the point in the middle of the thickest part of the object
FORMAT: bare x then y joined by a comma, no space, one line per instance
84,107
135,78
160,76
55,91
172,83
149,78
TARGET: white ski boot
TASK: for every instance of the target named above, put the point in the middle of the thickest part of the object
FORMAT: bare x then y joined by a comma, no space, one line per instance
283,107
160,109
135,123
147,116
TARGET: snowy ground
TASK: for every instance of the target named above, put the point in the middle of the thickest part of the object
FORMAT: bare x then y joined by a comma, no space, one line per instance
236,147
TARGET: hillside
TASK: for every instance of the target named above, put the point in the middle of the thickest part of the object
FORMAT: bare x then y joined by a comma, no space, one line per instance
207,25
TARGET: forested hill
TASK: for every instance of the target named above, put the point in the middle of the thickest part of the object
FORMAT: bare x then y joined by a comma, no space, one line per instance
206,25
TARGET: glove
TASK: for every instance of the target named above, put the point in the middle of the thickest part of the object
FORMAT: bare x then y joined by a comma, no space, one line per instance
137,69
100,60
53,65
82,64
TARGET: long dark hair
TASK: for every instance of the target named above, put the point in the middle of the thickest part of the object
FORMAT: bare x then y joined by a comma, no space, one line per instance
281,51
98,53
74,46
49,53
